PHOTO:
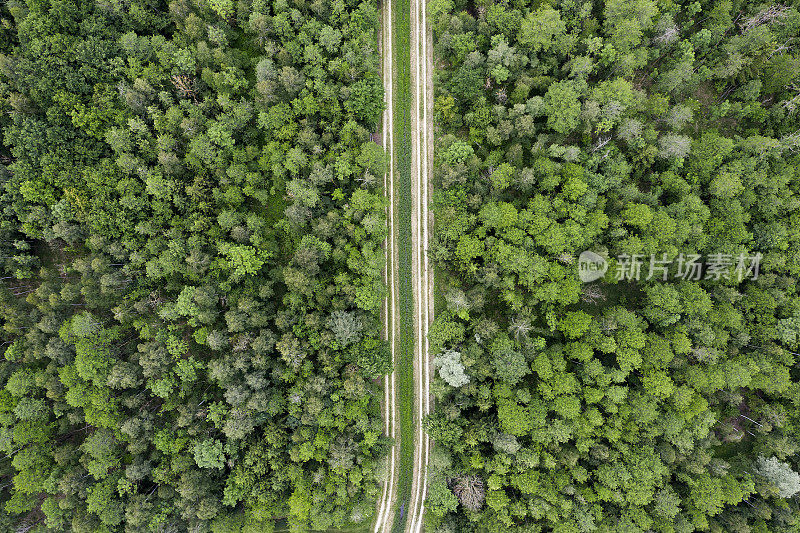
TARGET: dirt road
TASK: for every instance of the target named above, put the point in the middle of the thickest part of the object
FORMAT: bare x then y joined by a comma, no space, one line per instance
407,65
422,145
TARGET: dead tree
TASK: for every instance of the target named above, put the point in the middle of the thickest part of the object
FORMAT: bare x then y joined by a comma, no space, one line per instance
185,86
765,16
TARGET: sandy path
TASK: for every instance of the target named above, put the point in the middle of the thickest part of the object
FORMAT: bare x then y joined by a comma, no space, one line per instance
383,521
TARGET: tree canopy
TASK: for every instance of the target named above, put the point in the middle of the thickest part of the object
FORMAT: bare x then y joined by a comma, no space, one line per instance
662,136
191,260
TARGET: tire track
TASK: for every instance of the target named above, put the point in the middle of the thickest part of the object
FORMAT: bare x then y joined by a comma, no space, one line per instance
383,521
423,278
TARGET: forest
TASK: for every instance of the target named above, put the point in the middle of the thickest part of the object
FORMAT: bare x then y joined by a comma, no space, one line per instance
629,128
191,222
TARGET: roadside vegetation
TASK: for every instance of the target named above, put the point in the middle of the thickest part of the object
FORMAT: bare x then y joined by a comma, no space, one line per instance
625,405
191,265
405,339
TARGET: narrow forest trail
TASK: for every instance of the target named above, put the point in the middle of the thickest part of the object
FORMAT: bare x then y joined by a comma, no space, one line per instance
383,520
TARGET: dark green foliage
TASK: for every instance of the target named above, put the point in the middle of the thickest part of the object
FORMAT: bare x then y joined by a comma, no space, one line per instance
191,260
651,128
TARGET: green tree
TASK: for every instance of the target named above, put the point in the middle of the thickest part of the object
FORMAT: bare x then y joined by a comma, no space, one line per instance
541,29
450,368
779,475
562,107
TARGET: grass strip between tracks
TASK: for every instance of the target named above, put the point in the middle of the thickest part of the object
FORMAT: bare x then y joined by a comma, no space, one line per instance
405,339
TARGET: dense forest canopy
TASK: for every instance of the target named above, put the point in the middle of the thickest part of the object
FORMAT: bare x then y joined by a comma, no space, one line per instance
191,223
643,127
191,262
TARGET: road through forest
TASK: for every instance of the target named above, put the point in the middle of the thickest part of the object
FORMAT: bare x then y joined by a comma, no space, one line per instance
407,61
